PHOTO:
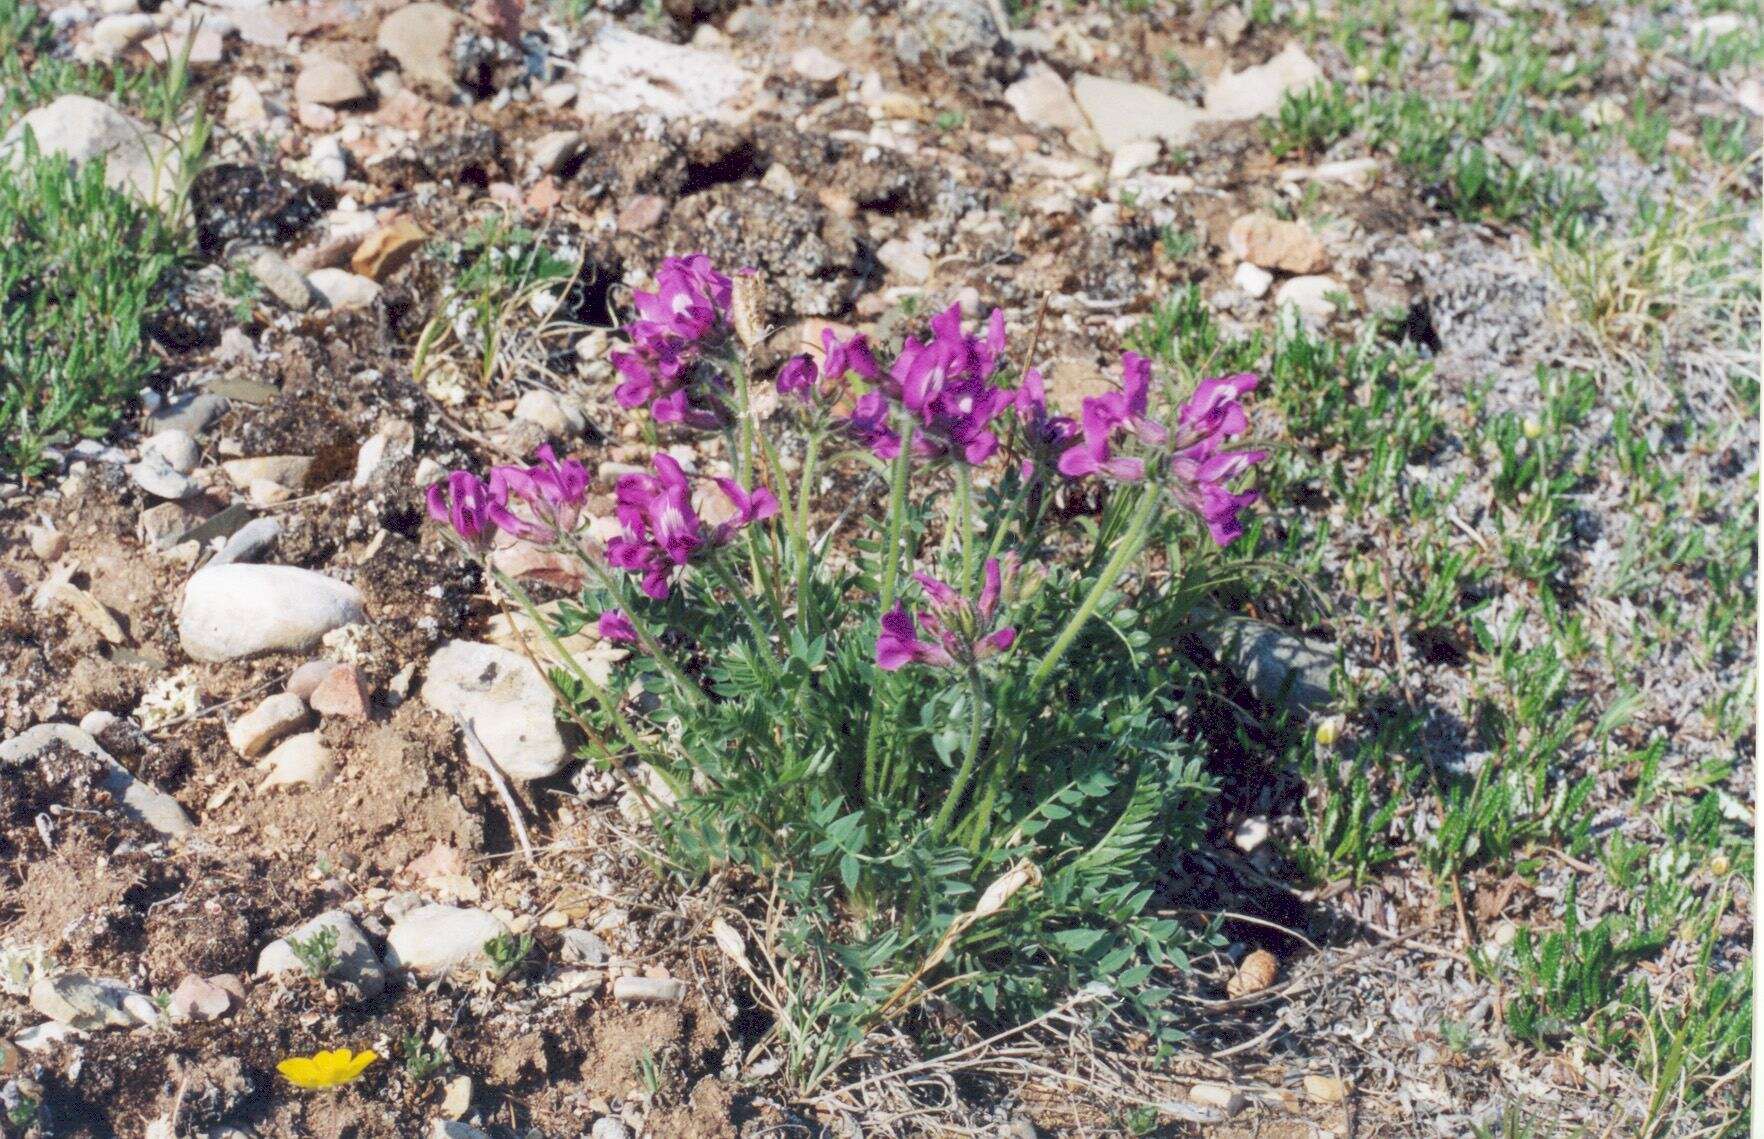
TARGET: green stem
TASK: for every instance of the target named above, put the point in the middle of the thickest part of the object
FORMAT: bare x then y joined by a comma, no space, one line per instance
606,700
755,624
804,599
1132,542
970,757
647,639
965,515
890,553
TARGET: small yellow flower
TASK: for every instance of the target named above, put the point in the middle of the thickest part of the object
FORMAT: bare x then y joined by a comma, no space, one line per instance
1719,865
326,1069
1531,426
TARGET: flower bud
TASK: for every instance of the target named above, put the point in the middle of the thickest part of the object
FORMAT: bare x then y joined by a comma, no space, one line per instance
1328,730
747,308
1531,427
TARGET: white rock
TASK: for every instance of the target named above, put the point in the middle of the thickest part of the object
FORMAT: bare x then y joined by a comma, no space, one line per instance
1257,91
1310,296
816,65
284,470
507,702
622,71
1121,113
905,260
257,730
553,151
83,1002
298,761
197,998
420,37
558,95
159,478
114,34
138,800
434,939
1252,279
1042,99
235,611
177,449
43,1036
1356,172
1133,158
606,1127
357,963
246,108
457,1099
543,407
136,159
330,165
341,289
249,542
647,990
328,82
1716,26
281,279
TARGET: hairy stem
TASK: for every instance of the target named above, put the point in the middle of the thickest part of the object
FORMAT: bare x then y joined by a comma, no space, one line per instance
970,755
890,554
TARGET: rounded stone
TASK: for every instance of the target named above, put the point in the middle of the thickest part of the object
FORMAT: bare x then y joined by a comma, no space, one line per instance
241,610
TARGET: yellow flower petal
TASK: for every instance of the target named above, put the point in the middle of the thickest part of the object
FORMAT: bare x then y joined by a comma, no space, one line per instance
359,1065
301,1072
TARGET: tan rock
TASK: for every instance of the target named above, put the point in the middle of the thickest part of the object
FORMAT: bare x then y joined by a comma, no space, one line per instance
342,693
284,470
1265,240
388,248
328,82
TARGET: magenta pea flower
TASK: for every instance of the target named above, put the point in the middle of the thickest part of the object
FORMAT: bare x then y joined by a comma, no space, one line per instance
686,315
957,631
661,531
615,626
945,384
800,377
462,501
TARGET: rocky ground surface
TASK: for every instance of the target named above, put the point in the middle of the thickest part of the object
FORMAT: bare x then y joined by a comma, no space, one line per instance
238,659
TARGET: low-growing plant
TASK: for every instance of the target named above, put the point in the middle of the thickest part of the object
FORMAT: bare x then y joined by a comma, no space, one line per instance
945,738
317,952
506,951
420,1060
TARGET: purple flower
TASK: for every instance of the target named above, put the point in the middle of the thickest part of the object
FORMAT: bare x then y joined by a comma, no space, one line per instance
687,313
540,501
462,501
800,377
1047,437
797,377
958,631
945,383
661,531
616,627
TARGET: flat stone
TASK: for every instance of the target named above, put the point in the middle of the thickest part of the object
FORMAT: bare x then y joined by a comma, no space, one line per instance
507,702
281,280
329,83
136,159
1042,99
1281,668
647,990
224,524
114,34
82,1002
554,151
236,611
388,249
905,261
342,693
159,478
341,289
1121,113
304,681
1310,296
420,37
545,408
357,963
1257,91
1134,158
815,65
176,447
193,413
622,72
285,470
298,761
197,998
250,542
433,940
261,728
137,800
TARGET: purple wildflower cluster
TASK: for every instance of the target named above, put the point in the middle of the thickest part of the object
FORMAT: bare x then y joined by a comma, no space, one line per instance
1199,468
537,502
956,627
662,532
946,385
800,377
687,313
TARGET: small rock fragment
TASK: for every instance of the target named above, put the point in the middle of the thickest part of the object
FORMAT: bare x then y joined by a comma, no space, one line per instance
299,761
1256,972
1325,1089
341,693
249,542
197,998
177,449
282,280
357,963
457,1100
648,990
434,939
258,730
420,37
157,477
329,83
387,249
1311,296
341,289
1228,1100
1264,240
83,1002
1129,112
238,610
1253,280
505,699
